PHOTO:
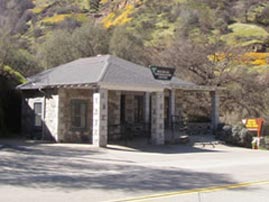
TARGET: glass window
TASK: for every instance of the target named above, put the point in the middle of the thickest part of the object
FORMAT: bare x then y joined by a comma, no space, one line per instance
38,114
78,114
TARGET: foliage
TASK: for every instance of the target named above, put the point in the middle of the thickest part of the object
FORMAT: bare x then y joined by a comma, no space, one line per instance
17,75
236,135
122,18
248,58
128,45
242,33
62,47
54,19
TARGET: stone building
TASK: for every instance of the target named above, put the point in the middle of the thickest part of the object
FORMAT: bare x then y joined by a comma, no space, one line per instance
102,98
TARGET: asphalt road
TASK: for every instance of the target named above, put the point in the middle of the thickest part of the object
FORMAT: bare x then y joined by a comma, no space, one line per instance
69,172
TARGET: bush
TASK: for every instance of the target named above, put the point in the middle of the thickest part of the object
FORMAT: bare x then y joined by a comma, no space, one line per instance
236,135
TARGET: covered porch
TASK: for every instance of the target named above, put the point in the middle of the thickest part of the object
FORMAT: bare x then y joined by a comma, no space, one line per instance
151,115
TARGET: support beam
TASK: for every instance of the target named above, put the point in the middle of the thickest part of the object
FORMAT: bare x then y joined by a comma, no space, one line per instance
157,119
100,118
215,110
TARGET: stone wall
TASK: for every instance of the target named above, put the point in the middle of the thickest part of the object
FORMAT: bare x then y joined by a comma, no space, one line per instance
196,128
51,117
28,114
65,132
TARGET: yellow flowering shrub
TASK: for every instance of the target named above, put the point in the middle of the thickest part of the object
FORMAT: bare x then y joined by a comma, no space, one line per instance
55,19
104,1
250,58
113,19
255,58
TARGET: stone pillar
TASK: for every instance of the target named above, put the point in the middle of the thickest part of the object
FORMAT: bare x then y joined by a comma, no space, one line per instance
100,116
215,110
147,107
157,119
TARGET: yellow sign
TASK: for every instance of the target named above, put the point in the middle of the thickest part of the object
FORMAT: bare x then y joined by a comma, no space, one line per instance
252,124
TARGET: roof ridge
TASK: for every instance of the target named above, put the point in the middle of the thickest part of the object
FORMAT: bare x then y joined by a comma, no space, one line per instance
106,65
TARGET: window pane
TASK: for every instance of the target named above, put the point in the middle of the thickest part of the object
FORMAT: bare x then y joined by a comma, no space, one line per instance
76,108
77,122
38,121
83,115
38,114
78,114
38,107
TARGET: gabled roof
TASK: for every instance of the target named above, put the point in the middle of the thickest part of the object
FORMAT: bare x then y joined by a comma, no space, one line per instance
105,69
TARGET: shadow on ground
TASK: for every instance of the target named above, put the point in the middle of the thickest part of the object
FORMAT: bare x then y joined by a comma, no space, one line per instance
70,169
197,144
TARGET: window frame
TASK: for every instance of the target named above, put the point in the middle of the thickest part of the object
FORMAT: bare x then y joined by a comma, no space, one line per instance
81,116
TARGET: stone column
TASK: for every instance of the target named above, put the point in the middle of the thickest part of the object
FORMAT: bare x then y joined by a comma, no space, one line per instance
172,111
215,110
100,116
157,119
147,107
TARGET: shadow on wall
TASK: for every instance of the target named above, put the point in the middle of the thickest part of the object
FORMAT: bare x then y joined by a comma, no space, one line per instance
67,168
29,130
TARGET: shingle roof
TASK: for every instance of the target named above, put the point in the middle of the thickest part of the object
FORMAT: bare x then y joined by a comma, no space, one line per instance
100,69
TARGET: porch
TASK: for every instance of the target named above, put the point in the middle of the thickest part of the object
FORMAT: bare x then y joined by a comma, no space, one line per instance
127,115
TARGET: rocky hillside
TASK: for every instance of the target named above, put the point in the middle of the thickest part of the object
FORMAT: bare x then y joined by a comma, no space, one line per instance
235,23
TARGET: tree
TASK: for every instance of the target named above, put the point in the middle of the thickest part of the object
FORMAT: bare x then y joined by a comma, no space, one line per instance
62,46
213,64
126,44
94,5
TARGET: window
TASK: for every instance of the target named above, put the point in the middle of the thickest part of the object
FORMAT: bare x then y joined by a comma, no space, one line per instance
139,109
78,114
38,114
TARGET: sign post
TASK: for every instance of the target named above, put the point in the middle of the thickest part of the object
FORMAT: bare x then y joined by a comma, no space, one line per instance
162,73
254,125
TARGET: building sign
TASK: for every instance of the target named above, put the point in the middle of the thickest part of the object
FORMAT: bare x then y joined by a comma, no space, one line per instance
162,73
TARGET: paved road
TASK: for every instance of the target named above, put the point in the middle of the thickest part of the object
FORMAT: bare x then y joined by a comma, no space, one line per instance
66,172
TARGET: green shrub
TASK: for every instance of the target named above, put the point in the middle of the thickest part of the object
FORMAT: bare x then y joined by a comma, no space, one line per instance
236,135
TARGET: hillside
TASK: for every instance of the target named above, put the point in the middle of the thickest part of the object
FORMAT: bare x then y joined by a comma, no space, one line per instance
235,23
